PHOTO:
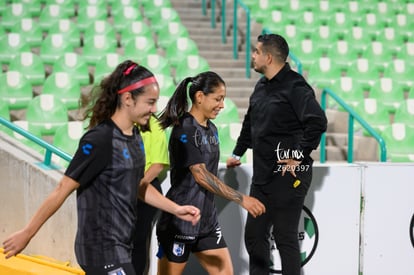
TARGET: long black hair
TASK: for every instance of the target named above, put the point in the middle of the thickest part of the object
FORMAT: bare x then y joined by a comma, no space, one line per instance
105,99
178,103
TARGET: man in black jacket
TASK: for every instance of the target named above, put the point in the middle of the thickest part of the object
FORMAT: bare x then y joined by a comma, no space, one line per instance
283,124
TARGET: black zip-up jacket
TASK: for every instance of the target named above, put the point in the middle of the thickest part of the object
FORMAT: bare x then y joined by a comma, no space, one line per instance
284,120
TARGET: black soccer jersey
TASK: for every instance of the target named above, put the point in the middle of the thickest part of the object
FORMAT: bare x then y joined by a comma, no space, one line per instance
190,143
108,165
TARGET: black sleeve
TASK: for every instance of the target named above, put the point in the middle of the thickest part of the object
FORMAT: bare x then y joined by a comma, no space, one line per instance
244,141
92,156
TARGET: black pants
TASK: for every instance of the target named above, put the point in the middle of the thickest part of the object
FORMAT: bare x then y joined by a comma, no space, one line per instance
147,216
284,205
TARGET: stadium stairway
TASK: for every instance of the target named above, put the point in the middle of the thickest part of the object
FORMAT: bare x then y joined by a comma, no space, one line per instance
220,57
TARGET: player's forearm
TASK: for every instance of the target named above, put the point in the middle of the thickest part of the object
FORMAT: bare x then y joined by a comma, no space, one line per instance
214,184
151,196
52,203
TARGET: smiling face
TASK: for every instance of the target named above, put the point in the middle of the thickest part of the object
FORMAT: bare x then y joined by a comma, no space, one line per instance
209,105
145,104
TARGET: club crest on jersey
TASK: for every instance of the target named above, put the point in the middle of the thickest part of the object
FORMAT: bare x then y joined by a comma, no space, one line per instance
178,249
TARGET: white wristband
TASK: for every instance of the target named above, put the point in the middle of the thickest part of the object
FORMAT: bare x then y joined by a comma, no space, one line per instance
235,157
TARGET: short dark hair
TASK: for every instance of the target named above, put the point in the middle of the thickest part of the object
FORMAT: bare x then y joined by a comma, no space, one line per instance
274,44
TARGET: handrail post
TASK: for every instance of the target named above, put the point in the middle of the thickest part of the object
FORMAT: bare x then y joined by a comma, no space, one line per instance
47,162
213,14
235,54
322,144
353,115
248,50
204,7
350,138
223,21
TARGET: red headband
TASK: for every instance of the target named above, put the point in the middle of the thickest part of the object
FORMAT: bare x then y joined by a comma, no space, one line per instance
138,84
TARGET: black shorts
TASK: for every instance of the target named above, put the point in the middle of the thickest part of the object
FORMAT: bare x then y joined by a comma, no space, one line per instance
178,251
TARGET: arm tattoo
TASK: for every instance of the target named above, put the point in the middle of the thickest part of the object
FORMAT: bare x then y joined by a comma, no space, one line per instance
214,184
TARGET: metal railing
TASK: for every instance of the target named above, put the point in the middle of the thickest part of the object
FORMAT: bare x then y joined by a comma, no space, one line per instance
238,3
47,162
213,16
352,116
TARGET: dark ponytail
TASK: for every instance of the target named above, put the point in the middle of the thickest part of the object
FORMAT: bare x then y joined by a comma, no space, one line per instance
176,106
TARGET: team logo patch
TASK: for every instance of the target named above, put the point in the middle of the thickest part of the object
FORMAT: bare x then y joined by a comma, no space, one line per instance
178,249
119,271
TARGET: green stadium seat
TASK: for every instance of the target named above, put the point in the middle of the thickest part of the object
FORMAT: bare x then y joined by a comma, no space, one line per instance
349,89
156,63
88,13
179,50
390,92
141,45
166,83
67,6
152,7
63,86
45,113
34,6
30,30
308,51
260,10
50,16
399,140
229,114
97,46
11,45
363,71
170,33
31,66
165,15
126,15
68,29
102,27
342,53
374,113
13,13
53,47
378,54
74,64
358,38
405,112
401,71
106,65
15,89
135,28
66,138
325,35
228,134
324,73
391,39
191,65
